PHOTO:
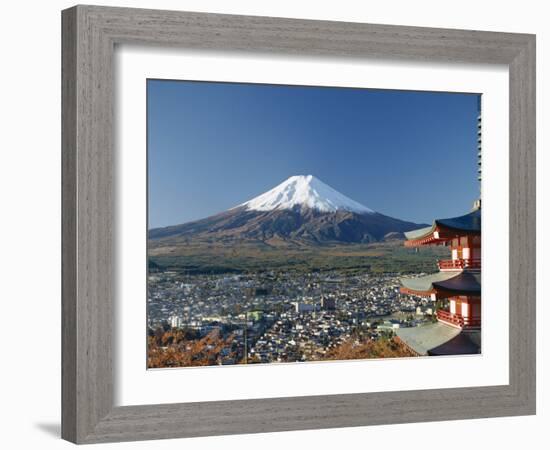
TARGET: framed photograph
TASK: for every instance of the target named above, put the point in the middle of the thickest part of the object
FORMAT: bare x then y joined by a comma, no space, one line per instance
278,224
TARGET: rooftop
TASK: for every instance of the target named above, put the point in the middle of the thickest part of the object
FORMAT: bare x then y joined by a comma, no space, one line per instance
452,282
446,229
440,339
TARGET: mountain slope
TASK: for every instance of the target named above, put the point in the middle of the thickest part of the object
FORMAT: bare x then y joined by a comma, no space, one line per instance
301,209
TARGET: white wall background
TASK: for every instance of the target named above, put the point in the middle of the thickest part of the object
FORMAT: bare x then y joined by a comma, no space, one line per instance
31,207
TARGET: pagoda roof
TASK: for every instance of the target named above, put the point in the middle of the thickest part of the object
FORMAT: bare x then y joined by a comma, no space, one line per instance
446,229
419,233
445,284
440,339
465,343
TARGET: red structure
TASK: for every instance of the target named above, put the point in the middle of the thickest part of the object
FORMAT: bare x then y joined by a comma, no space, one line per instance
457,285
455,289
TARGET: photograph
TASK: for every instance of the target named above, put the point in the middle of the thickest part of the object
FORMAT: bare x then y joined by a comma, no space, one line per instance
256,225
300,224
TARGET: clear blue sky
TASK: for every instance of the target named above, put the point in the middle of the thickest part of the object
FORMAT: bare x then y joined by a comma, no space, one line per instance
211,146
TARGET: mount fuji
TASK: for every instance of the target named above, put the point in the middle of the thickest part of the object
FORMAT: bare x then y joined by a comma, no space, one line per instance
302,209
304,192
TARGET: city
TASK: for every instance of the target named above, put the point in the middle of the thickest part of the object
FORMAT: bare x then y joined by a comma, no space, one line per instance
267,317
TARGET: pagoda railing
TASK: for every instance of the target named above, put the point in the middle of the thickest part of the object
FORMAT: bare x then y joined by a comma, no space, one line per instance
457,264
457,319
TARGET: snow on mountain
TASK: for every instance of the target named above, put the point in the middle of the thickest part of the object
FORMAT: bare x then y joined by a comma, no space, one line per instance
300,211
304,191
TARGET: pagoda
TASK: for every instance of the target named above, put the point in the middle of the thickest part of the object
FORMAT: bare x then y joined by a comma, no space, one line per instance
455,288
458,281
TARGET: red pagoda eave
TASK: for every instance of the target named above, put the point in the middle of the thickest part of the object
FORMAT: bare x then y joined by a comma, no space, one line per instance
439,293
428,240
440,235
408,291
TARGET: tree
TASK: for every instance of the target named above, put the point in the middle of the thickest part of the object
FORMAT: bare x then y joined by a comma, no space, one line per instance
179,351
370,348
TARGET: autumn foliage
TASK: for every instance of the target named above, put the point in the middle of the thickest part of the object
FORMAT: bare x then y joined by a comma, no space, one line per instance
175,348
369,348
180,348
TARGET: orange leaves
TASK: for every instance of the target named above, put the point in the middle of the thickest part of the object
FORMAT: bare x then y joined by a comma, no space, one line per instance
382,348
177,350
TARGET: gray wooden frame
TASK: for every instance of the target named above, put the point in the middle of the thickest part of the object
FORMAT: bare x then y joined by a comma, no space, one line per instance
89,36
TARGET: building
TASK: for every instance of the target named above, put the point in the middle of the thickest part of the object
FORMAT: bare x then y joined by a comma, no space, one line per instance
328,303
458,281
301,307
389,325
455,288
479,144
175,321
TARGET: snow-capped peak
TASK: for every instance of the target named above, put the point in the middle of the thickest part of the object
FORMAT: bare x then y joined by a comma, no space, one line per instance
304,191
